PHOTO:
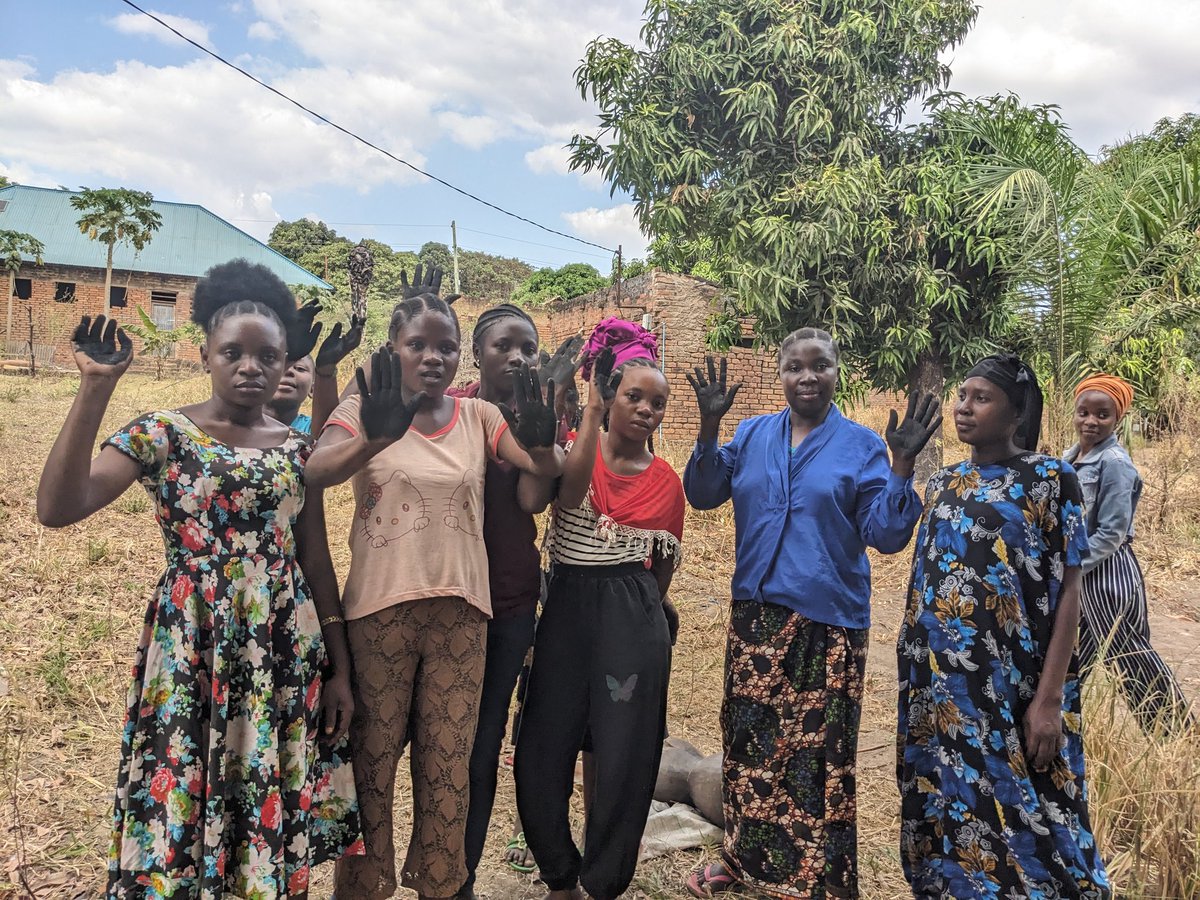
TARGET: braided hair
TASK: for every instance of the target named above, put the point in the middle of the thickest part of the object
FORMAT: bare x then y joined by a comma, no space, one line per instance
810,334
494,314
407,310
240,287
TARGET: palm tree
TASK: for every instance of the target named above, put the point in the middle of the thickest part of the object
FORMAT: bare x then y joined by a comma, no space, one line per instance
116,215
14,247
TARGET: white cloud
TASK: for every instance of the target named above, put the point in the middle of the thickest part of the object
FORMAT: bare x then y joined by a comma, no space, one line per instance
262,31
1114,67
554,159
136,23
613,227
475,132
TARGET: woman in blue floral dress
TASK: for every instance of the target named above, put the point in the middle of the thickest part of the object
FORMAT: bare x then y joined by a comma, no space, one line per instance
990,768
223,789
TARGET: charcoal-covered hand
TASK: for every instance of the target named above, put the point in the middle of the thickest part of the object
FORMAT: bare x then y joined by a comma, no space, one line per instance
712,395
337,346
101,348
337,708
383,412
921,422
425,281
534,423
562,366
303,333
605,381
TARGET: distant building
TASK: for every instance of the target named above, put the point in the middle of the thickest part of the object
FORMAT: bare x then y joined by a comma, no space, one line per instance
160,279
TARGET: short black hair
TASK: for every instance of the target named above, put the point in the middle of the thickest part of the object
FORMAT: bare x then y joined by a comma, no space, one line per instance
240,287
407,310
494,314
810,334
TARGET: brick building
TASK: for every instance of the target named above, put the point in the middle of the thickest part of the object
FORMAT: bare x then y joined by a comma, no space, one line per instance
160,279
678,307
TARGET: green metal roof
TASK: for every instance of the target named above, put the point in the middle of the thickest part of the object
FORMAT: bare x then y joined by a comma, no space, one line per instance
190,242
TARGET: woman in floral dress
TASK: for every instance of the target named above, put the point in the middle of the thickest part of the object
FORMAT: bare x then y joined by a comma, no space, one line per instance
990,767
223,789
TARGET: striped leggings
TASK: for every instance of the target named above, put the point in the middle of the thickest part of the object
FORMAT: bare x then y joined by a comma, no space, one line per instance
1115,621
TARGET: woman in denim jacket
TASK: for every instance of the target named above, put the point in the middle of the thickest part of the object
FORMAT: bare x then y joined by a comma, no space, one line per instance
1114,616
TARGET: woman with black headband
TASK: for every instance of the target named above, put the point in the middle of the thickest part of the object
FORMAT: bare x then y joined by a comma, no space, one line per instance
991,770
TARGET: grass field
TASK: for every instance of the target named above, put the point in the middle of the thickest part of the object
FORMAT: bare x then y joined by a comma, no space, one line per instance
71,602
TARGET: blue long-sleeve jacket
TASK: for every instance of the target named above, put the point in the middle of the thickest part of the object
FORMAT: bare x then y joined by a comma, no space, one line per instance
804,518
1111,489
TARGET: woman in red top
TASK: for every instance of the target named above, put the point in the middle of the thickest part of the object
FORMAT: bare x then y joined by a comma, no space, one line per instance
602,651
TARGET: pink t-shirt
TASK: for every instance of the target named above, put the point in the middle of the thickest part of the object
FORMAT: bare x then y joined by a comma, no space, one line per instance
418,518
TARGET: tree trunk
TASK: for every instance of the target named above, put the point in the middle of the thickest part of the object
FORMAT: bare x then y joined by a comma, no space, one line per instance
928,376
108,282
12,286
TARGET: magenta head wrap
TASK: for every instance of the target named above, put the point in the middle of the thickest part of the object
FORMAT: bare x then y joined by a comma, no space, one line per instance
627,340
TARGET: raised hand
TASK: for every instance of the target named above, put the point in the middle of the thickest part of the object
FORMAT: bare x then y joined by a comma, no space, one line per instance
427,282
101,348
921,422
338,346
604,381
384,414
712,396
304,331
561,367
534,423
337,708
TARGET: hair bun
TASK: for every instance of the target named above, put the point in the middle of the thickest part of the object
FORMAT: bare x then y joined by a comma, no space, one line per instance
236,282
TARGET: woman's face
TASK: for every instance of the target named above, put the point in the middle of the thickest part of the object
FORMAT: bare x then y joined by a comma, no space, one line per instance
428,347
296,384
640,403
983,414
501,350
246,355
1095,417
808,371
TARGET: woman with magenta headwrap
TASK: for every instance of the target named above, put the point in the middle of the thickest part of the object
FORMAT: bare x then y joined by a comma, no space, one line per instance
601,656
993,801
1114,618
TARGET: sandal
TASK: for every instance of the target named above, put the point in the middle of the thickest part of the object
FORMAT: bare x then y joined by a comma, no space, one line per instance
711,879
518,843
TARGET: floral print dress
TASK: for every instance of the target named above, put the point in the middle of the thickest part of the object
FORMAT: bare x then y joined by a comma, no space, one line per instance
223,788
977,821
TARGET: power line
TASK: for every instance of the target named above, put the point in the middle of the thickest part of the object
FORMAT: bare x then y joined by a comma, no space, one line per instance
505,237
359,138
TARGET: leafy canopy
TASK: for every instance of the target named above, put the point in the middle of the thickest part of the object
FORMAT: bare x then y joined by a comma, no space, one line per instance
566,282
117,216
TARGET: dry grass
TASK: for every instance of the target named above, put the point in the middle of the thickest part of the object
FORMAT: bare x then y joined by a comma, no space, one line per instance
71,602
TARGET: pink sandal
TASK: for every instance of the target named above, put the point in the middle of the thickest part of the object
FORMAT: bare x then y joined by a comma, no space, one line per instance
711,879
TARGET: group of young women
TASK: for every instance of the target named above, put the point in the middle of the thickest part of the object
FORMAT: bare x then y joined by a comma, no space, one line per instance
267,716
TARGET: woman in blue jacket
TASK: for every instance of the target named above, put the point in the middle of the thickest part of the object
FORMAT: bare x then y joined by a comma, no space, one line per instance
811,491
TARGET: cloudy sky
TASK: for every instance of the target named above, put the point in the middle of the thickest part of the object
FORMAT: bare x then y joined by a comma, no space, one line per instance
479,92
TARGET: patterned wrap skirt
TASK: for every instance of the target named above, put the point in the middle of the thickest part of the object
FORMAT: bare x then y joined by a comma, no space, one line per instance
789,721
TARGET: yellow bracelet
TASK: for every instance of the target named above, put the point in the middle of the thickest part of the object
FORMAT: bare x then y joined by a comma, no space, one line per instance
331,620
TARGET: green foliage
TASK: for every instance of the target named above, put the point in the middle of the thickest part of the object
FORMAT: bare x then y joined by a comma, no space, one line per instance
117,216
571,280
15,245
487,277
760,144
631,269
300,238
6,182
433,253
159,343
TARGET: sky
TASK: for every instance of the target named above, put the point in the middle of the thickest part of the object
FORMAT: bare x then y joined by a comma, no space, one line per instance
480,93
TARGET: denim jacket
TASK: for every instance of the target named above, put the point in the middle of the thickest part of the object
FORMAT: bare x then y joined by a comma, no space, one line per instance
1111,490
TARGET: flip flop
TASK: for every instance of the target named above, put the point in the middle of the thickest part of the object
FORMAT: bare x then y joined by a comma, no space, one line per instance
518,843
709,880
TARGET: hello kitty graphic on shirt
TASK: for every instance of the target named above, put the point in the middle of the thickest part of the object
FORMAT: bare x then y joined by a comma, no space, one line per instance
405,511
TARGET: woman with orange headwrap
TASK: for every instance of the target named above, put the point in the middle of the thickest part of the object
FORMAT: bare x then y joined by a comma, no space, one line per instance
1113,603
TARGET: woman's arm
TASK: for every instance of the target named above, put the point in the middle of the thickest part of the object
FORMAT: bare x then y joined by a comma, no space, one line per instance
312,552
1114,511
324,399
339,455
708,476
534,494
1043,720
540,462
581,461
663,570
73,486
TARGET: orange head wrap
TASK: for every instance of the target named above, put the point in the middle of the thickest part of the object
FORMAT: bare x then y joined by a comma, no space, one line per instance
1119,389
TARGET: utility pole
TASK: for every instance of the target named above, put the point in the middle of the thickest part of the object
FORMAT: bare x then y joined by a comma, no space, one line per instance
454,242
619,272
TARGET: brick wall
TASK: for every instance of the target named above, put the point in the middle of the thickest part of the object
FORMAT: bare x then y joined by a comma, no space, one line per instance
53,321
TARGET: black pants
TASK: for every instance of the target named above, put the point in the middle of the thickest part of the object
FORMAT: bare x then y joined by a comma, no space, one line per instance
600,664
508,641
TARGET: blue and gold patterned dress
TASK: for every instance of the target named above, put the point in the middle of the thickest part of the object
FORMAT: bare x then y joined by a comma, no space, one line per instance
223,788
977,822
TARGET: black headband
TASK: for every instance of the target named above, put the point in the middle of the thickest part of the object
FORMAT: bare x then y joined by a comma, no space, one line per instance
1020,385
